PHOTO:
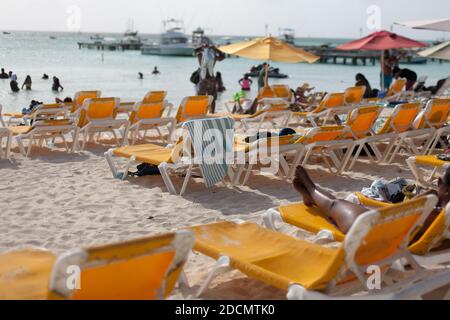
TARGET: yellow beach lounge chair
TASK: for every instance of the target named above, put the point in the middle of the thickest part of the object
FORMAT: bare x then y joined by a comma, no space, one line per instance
143,269
325,142
99,116
45,130
428,127
428,161
354,96
80,97
332,104
275,112
180,158
148,115
282,91
309,271
396,88
361,122
194,107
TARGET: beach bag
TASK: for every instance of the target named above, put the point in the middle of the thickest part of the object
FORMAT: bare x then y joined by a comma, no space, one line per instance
145,169
195,77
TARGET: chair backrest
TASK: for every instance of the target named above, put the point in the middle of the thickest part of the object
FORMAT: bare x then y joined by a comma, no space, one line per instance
45,110
98,109
444,88
436,233
354,95
81,96
331,100
144,269
266,92
435,114
194,107
401,119
361,120
380,237
146,110
2,121
282,91
396,87
155,96
325,133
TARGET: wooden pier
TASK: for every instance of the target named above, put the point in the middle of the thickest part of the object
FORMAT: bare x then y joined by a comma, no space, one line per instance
335,56
112,46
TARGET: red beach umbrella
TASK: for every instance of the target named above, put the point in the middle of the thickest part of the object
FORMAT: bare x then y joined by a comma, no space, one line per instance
382,40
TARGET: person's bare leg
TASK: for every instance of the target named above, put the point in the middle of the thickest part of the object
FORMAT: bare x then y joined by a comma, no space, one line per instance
342,212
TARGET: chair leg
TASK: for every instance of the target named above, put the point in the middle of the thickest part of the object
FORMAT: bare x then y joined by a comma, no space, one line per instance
163,169
112,166
222,266
186,179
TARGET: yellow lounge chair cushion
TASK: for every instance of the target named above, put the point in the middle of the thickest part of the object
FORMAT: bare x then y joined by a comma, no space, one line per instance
147,153
432,161
310,219
20,130
269,256
25,274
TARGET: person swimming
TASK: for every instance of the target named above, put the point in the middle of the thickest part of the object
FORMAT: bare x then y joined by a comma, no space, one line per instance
140,75
56,84
45,76
156,71
246,83
344,213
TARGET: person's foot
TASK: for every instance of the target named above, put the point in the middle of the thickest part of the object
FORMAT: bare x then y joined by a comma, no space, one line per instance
300,187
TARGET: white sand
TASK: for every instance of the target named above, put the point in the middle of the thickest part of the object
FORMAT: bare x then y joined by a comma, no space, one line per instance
62,201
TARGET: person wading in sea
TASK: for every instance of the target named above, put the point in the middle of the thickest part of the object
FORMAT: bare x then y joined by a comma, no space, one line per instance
207,57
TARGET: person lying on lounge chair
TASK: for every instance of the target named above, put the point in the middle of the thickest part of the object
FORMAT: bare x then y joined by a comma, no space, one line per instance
344,213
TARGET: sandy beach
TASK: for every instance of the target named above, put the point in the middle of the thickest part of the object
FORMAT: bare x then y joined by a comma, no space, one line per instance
62,201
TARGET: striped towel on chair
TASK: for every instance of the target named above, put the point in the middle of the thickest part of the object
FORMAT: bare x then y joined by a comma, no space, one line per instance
213,142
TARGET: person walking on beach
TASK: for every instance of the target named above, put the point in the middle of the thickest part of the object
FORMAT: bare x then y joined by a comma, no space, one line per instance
246,83
3,74
56,84
27,83
207,56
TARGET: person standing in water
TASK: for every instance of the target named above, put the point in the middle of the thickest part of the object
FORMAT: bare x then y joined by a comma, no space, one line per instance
246,83
156,71
56,84
263,77
13,83
140,75
27,83
207,57
3,74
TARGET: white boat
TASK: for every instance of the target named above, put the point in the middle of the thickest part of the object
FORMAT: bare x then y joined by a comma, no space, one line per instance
173,42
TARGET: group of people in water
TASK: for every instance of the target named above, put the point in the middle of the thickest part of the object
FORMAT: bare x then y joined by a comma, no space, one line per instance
28,82
155,72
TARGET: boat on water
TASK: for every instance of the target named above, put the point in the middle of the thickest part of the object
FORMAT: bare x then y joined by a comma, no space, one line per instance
287,35
273,72
175,42
6,32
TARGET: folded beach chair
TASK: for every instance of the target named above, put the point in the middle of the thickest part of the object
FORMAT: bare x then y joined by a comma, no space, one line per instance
189,152
428,161
148,115
142,269
313,220
331,105
305,270
99,116
195,107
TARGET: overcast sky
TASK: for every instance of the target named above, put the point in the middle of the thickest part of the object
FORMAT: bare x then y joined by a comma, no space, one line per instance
309,18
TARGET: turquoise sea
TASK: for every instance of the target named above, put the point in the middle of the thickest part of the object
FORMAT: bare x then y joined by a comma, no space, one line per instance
115,73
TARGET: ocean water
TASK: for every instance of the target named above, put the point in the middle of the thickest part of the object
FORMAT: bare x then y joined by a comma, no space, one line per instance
115,73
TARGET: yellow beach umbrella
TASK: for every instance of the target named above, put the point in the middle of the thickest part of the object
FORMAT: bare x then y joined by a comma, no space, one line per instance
269,49
441,51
